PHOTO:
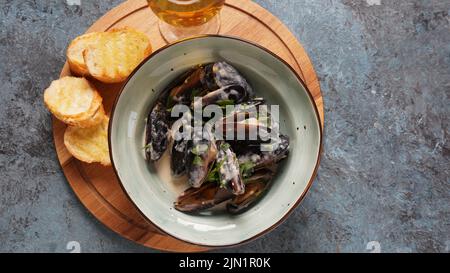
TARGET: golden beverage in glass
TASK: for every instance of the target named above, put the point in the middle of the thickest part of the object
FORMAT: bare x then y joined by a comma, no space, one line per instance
183,18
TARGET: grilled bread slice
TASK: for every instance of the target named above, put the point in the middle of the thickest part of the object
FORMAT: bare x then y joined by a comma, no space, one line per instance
88,122
74,101
116,54
75,52
89,144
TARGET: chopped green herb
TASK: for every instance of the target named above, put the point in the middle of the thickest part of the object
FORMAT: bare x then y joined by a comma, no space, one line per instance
246,169
224,103
224,146
147,146
198,161
170,102
213,175
195,150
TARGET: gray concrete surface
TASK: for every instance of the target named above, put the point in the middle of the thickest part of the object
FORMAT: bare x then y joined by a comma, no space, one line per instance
384,68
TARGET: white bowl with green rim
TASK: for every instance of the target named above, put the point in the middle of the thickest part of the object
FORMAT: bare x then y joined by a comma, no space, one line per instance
271,78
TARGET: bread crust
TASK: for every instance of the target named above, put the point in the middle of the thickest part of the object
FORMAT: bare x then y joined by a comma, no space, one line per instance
75,52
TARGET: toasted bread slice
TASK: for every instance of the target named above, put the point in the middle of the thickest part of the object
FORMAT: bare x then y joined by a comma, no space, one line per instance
88,122
76,49
117,54
74,101
89,144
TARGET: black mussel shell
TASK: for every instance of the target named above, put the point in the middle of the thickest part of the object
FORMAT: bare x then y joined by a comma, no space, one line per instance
157,132
205,197
252,193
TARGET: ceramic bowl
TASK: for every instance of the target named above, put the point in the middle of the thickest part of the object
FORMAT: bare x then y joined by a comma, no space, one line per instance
270,77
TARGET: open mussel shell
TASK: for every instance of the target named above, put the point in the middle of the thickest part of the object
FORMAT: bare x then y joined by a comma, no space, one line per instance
229,93
252,193
245,130
229,172
205,197
221,74
157,132
248,107
255,186
181,145
179,80
200,158
179,157
263,175
245,147
182,94
278,148
209,79
267,159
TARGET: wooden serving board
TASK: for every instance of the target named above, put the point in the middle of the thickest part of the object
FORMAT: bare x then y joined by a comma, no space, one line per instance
96,186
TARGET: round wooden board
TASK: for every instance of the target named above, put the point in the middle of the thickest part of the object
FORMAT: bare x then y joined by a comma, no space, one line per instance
96,186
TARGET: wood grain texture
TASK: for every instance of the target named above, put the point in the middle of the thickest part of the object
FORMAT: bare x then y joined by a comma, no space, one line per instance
96,186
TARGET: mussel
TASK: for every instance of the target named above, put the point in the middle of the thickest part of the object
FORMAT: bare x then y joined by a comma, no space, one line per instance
257,160
278,148
243,111
179,157
238,169
255,185
264,175
157,132
205,197
183,93
247,124
164,96
245,147
201,156
229,171
181,144
158,120
221,74
247,129
230,94
241,202
214,82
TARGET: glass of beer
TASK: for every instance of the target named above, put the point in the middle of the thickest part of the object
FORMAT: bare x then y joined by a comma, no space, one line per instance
180,19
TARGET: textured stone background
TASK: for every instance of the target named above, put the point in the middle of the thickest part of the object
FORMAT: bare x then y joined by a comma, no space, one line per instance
384,68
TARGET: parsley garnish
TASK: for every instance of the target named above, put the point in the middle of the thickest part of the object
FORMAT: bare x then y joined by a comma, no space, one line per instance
198,161
246,169
224,103
224,146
